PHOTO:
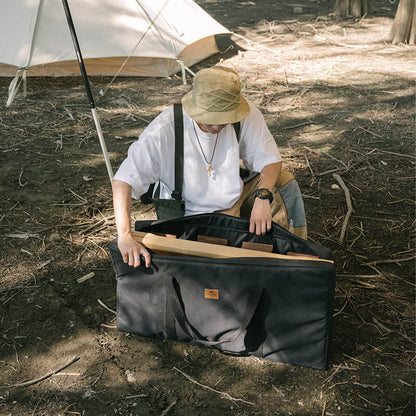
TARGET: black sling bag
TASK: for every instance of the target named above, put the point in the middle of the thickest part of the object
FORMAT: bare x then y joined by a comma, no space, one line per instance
167,209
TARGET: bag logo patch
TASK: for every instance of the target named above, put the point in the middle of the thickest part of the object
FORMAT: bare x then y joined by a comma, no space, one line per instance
211,294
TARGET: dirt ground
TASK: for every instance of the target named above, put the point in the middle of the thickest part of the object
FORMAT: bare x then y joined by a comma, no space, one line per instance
339,100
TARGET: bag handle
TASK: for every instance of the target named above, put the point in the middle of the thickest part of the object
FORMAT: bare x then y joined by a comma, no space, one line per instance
175,312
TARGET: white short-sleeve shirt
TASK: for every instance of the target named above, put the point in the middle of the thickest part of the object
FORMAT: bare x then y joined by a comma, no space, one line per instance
151,159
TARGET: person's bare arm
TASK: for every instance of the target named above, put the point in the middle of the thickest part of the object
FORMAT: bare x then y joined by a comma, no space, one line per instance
261,214
129,247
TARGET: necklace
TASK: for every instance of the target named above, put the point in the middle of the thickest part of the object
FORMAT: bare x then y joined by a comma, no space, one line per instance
209,164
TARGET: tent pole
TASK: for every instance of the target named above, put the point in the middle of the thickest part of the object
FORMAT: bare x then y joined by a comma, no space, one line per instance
87,87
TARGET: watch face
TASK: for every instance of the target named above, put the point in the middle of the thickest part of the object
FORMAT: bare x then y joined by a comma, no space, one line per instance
263,193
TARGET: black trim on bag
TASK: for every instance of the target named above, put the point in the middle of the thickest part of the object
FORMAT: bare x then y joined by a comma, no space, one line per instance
283,240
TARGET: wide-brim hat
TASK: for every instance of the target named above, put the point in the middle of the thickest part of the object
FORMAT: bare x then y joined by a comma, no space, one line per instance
216,97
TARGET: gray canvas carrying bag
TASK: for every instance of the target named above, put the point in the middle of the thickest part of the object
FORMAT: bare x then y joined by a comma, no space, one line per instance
276,309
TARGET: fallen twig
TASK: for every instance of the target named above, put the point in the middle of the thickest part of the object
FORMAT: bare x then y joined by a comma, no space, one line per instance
369,276
109,326
321,153
394,153
381,326
355,359
365,284
135,396
295,126
101,221
24,236
328,379
394,276
42,265
165,412
80,198
373,404
37,380
221,393
349,205
366,386
389,261
343,307
106,307
343,45
368,131
12,296
65,410
310,168
86,277
323,409
251,43
20,178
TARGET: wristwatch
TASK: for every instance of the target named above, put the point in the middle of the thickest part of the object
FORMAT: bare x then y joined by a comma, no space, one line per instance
264,193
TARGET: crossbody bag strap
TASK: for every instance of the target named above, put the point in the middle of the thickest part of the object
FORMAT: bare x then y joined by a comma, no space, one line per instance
178,120
245,174
237,128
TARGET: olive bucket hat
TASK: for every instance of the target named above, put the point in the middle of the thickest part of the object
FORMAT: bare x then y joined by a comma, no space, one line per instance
216,97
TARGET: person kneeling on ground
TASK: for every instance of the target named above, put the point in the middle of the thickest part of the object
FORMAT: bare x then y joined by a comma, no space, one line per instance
212,150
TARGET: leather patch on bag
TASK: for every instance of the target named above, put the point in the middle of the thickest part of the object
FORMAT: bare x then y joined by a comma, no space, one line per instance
211,294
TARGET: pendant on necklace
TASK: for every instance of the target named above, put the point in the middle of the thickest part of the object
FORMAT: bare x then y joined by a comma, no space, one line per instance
209,164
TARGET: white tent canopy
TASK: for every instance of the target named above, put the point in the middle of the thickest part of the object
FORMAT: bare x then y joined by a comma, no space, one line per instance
116,37
159,37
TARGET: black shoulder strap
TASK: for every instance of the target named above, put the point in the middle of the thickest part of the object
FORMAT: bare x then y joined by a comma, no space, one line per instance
178,120
237,127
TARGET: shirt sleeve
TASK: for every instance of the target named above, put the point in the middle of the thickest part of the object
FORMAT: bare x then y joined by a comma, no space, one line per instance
143,165
257,145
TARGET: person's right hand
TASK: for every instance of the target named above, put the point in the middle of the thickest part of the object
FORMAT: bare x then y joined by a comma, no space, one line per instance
131,250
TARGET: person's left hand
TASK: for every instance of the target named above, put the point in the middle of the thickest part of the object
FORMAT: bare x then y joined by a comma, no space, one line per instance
261,217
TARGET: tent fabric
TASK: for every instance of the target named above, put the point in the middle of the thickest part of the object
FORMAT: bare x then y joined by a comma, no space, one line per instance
158,37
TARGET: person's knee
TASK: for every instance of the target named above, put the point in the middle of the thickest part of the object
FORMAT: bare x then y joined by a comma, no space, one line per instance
284,178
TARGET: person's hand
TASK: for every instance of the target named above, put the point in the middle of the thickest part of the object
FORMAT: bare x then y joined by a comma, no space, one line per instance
261,217
131,250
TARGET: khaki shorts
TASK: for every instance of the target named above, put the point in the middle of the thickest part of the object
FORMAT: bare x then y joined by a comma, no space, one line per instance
287,207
